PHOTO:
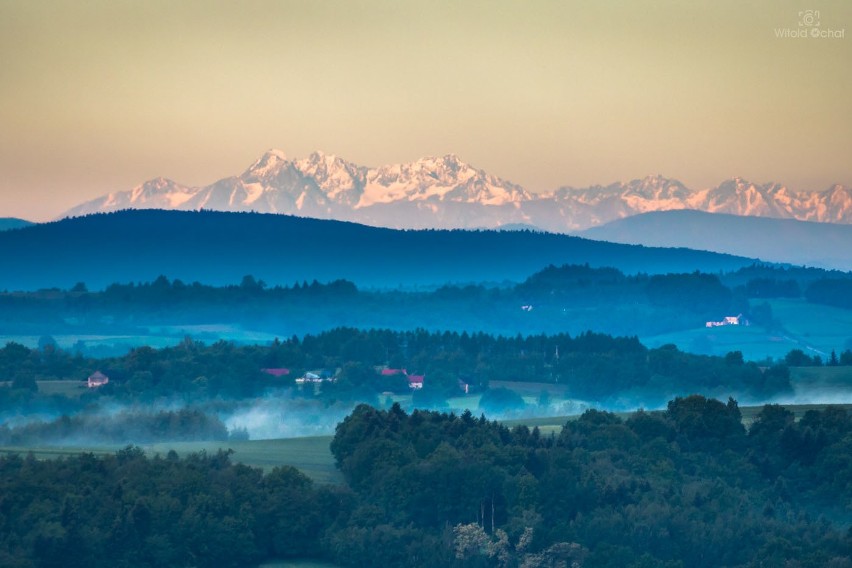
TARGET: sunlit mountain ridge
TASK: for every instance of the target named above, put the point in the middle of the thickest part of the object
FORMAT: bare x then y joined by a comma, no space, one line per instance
446,192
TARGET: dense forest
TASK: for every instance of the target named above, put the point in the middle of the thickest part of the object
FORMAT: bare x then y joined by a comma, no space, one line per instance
557,299
687,487
589,366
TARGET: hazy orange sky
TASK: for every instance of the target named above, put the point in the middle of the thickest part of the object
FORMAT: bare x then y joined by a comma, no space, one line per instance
100,96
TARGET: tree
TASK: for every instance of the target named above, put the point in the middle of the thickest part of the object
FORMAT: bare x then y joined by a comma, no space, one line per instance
46,341
734,359
797,358
470,540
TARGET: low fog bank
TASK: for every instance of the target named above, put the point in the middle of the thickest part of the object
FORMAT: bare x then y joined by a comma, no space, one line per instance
816,397
278,416
95,428
283,413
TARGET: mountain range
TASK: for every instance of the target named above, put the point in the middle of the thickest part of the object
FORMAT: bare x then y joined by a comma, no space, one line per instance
446,192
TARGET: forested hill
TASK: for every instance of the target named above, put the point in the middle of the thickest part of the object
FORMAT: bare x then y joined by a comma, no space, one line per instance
220,248
9,223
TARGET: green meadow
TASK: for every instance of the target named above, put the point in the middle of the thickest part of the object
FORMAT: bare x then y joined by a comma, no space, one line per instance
297,564
813,328
310,455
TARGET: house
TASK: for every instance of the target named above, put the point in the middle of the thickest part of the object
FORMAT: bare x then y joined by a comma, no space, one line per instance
415,382
729,320
276,372
316,377
97,379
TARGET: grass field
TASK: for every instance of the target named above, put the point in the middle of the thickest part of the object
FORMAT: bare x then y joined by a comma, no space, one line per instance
310,455
812,328
297,564
754,342
72,389
750,412
815,385
555,423
819,327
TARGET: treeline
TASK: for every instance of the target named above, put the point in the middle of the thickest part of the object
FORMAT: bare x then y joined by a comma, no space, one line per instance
831,292
568,298
798,358
131,510
590,366
685,487
124,427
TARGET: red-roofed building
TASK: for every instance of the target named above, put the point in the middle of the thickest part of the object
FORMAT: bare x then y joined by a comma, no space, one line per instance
392,372
415,381
277,372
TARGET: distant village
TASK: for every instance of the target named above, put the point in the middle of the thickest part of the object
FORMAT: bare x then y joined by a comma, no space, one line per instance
415,382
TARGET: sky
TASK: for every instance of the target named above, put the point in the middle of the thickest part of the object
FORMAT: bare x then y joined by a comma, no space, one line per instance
98,97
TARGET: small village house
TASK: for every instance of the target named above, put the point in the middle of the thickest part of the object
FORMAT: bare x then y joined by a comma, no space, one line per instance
97,379
729,320
316,377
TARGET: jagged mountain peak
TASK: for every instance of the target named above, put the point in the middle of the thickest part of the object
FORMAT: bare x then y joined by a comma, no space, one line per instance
447,160
444,191
653,185
340,180
156,185
444,178
320,160
274,154
270,161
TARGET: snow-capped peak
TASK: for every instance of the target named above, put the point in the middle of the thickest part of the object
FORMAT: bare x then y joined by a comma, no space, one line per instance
447,192
270,161
444,178
341,181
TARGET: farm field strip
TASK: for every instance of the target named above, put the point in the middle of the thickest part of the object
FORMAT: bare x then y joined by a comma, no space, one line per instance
312,455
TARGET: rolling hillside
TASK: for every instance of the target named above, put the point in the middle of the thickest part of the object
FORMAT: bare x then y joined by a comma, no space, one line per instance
220,248
9,223
822,245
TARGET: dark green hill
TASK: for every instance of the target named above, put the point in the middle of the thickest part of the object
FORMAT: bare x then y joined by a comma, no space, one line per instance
220,248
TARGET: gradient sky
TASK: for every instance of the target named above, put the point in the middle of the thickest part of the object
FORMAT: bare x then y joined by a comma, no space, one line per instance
100,96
